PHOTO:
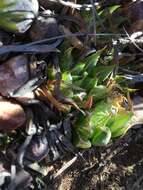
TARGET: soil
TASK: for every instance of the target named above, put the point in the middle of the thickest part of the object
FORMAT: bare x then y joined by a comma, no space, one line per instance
116,167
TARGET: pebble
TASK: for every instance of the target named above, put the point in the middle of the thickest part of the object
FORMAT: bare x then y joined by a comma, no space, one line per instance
12,115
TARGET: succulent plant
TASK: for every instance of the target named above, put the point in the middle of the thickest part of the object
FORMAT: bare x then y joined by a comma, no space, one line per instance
18,15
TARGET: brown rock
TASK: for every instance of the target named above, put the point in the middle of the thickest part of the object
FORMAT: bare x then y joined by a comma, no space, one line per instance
50,4
44,28
12,115
134,12
13,74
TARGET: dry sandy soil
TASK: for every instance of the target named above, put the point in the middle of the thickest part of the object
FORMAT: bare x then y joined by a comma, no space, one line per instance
116,167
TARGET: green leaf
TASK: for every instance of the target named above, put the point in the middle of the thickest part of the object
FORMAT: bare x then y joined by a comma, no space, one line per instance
6,24
67,77
99,92
82,126
100,125
118,124
102,110
88,83
4,4
8,19
78,68
101,136
91,60
66,59
51,72
113,8
82,132
102,72
80,143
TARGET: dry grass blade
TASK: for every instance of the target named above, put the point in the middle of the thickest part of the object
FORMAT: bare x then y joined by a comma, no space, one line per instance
132,40
30,49
73,91
44,94
64,168
86,7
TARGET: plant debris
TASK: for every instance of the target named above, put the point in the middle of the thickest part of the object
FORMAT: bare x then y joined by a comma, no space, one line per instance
71,80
